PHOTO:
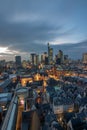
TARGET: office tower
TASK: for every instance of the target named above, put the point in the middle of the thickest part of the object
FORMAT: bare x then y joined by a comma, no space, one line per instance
44,58
33,58
60,56
50,54
37,59
58,61
84,59
65,58
18,60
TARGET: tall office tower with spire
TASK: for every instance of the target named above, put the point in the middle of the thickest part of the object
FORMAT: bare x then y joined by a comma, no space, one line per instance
50,54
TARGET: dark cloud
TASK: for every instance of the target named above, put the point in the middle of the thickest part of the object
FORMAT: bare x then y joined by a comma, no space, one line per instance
74,50
27,26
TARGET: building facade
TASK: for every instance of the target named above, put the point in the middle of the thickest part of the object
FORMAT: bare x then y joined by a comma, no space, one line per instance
84,59
18,60
50,54
33,58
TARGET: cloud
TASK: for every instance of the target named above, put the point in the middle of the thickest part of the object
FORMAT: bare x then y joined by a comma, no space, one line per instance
27,26
74,50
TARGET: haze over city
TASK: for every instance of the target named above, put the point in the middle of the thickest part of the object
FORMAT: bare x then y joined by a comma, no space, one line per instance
27,26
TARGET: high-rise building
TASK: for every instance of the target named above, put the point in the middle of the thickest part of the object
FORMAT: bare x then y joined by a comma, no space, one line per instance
50,54
57,60
37,59
33,58
44,58
59,57
65,58
84,58
18,60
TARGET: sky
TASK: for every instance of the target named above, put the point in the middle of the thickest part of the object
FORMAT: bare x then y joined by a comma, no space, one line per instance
27,26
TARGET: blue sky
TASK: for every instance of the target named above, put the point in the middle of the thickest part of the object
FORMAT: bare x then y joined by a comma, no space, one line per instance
28,25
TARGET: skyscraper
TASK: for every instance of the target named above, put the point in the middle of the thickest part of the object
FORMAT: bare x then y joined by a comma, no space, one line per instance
50,54
60,56
18,60
44,58
33,58
37,59
84,58
65,58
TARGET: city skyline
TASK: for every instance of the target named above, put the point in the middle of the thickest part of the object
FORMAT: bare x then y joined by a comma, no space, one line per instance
27,26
